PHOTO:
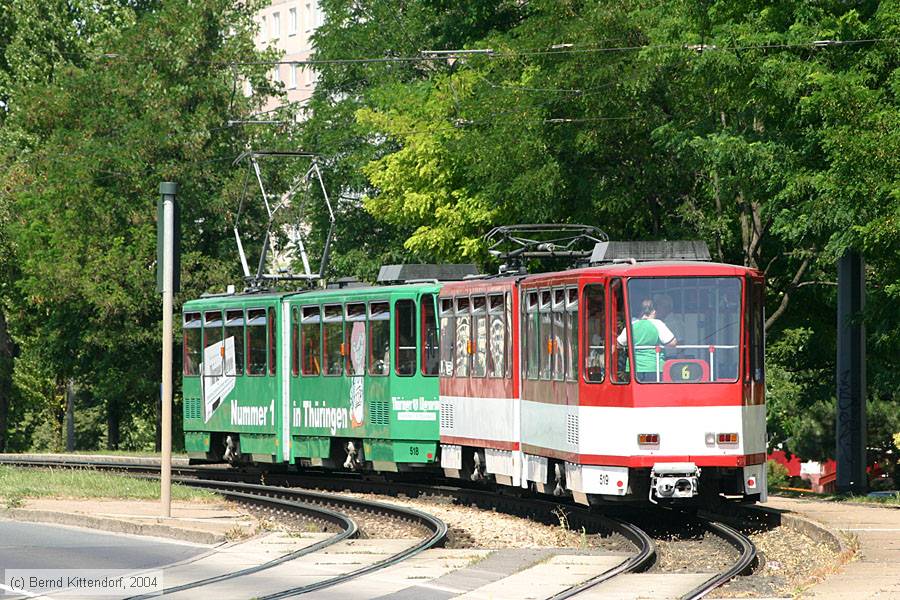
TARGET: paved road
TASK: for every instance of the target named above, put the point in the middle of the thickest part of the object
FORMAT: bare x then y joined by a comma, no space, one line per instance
37,546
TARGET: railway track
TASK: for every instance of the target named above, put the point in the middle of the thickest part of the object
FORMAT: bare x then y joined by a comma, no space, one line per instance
237,485
318,507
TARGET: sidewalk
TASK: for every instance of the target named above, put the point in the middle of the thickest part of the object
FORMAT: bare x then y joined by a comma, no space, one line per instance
197,522
874,574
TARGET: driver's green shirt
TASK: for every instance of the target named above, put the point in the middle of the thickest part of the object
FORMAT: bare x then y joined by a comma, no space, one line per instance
645,333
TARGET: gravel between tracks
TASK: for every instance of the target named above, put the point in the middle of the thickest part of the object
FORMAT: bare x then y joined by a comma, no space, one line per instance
792,560
472,527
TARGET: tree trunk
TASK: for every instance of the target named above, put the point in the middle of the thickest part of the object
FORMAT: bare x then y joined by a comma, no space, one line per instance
7,355
112,425
70,416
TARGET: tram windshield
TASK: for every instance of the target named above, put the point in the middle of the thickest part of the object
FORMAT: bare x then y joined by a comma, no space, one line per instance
684,329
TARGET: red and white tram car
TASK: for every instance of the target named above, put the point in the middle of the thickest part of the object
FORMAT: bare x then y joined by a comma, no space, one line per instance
565,381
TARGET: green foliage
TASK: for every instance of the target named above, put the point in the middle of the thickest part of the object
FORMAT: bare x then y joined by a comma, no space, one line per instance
776,475
144,98
714,120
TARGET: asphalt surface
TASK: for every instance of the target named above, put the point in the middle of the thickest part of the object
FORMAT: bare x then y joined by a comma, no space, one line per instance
38,546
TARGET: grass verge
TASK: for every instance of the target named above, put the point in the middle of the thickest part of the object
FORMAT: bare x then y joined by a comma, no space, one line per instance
888,500
18,484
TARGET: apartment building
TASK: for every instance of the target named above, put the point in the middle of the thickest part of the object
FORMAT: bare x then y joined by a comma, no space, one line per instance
288,25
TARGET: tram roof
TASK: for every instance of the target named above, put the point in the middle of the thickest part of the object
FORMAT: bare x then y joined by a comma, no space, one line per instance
662,268
271,297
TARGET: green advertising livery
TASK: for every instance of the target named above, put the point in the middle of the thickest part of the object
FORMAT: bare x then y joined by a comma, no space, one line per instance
328,377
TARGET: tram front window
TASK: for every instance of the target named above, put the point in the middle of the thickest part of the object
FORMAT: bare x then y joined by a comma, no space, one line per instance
685,329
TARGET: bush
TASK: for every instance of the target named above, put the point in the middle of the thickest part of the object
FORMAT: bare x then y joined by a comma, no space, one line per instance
777,475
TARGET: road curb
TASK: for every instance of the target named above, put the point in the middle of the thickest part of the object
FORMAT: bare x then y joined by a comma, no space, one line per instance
195,536
813,529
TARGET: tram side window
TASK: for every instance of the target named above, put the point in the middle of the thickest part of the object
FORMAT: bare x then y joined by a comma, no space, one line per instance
594,333
405,316
193,341
212,334
355,342
497,337
463,337
572,337
559,339
256,341
380,338
295,341
546,335
532,336
234,328
311,340
757,331
479,337
431,358
273,355
618,368
448,337
334,340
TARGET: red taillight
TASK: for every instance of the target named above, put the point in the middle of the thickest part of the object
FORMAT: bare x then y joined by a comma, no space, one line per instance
728,438
648,439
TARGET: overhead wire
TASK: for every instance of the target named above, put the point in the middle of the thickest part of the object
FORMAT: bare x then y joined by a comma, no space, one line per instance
443,56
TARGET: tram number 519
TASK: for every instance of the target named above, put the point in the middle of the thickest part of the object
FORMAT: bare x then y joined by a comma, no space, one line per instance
413,450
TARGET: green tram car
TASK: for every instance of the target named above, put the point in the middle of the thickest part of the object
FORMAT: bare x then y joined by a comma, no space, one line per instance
327,377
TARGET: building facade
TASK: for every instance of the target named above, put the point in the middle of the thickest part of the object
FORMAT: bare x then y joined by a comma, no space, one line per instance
288,25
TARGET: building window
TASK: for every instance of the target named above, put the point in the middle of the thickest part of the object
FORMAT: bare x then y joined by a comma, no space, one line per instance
276,26
292,21
293,77
276,74
263,32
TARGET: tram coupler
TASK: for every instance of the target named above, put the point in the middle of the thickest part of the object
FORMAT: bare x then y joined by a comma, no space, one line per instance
674,480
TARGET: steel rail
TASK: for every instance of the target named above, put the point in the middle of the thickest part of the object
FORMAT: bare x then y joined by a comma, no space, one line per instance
303,501
743,565
437,527
641,561
577,515
349,529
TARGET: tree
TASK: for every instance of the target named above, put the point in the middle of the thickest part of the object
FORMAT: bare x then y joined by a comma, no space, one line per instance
94,143
727,121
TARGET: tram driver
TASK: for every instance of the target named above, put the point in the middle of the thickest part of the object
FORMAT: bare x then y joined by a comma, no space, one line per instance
648,333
